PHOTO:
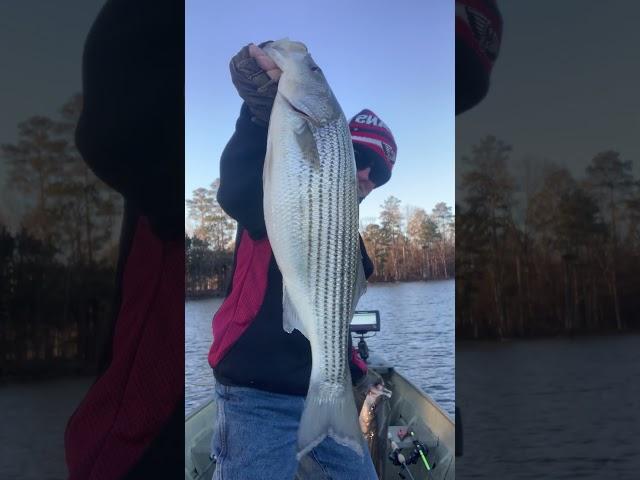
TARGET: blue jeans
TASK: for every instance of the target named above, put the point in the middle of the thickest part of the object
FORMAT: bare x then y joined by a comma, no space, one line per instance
255,438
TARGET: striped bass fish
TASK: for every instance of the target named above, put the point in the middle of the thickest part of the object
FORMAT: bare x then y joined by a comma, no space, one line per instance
311,215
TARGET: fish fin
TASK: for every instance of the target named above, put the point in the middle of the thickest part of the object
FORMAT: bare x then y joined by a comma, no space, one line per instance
307,142
329,414
361,285
290,317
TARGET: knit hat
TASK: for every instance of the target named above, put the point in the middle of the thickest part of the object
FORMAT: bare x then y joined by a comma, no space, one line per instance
478,37
374,145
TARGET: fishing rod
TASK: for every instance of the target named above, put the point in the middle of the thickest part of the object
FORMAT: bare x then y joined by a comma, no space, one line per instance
420,450
398,458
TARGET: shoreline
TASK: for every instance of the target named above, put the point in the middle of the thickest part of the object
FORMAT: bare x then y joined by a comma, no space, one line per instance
577,335
30,378
211,295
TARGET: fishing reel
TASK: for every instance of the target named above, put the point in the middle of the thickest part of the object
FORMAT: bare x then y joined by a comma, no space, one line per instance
408,439
398,459
395,455
420,451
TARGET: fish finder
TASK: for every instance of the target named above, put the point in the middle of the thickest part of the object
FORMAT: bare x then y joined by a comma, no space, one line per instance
365,321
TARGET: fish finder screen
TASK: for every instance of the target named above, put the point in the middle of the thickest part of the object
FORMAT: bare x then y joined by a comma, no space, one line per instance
366,321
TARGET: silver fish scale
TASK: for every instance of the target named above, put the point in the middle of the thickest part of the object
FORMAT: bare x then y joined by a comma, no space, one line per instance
311,215
333,243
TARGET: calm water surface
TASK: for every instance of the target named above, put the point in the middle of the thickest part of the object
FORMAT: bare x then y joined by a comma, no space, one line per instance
33,417
417,337
553,408
559,408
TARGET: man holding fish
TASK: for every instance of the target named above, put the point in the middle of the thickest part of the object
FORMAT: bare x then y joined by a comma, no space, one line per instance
292,176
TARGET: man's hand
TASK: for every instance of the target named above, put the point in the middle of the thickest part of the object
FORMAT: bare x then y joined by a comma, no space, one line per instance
255,76
265,62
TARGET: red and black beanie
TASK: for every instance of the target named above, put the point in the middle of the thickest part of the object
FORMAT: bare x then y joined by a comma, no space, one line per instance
478,37
373,139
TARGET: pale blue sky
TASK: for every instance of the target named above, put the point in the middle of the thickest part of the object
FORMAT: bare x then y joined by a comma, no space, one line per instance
41,69
397,60
565,85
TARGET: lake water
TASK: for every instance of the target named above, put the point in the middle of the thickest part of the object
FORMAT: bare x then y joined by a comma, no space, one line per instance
551,408
33,417
416,337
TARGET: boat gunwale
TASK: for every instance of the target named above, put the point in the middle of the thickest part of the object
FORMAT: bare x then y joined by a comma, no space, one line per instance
198,409
431,401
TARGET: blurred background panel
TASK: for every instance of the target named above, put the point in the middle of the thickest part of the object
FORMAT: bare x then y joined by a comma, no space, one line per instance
59,230
548,247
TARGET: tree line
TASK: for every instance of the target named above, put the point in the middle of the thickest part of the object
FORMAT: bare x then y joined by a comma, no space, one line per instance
58,249
542,252
403,245
414,245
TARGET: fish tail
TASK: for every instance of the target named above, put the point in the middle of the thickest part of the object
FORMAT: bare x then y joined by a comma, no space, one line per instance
330,411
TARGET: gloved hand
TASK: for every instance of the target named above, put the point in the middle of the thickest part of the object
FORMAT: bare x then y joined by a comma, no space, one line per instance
255,76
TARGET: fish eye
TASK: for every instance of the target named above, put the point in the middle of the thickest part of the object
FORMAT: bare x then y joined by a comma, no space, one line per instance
315,68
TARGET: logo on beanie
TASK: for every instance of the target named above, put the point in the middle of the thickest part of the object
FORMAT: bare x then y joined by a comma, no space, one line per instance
368,130
389,152
368,119
486,36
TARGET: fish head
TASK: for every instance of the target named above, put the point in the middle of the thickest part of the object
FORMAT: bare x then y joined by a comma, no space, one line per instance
302,83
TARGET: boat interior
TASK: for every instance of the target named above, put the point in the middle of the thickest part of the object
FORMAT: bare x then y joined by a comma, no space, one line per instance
416,441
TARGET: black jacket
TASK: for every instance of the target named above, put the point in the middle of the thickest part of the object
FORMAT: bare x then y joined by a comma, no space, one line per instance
131,134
